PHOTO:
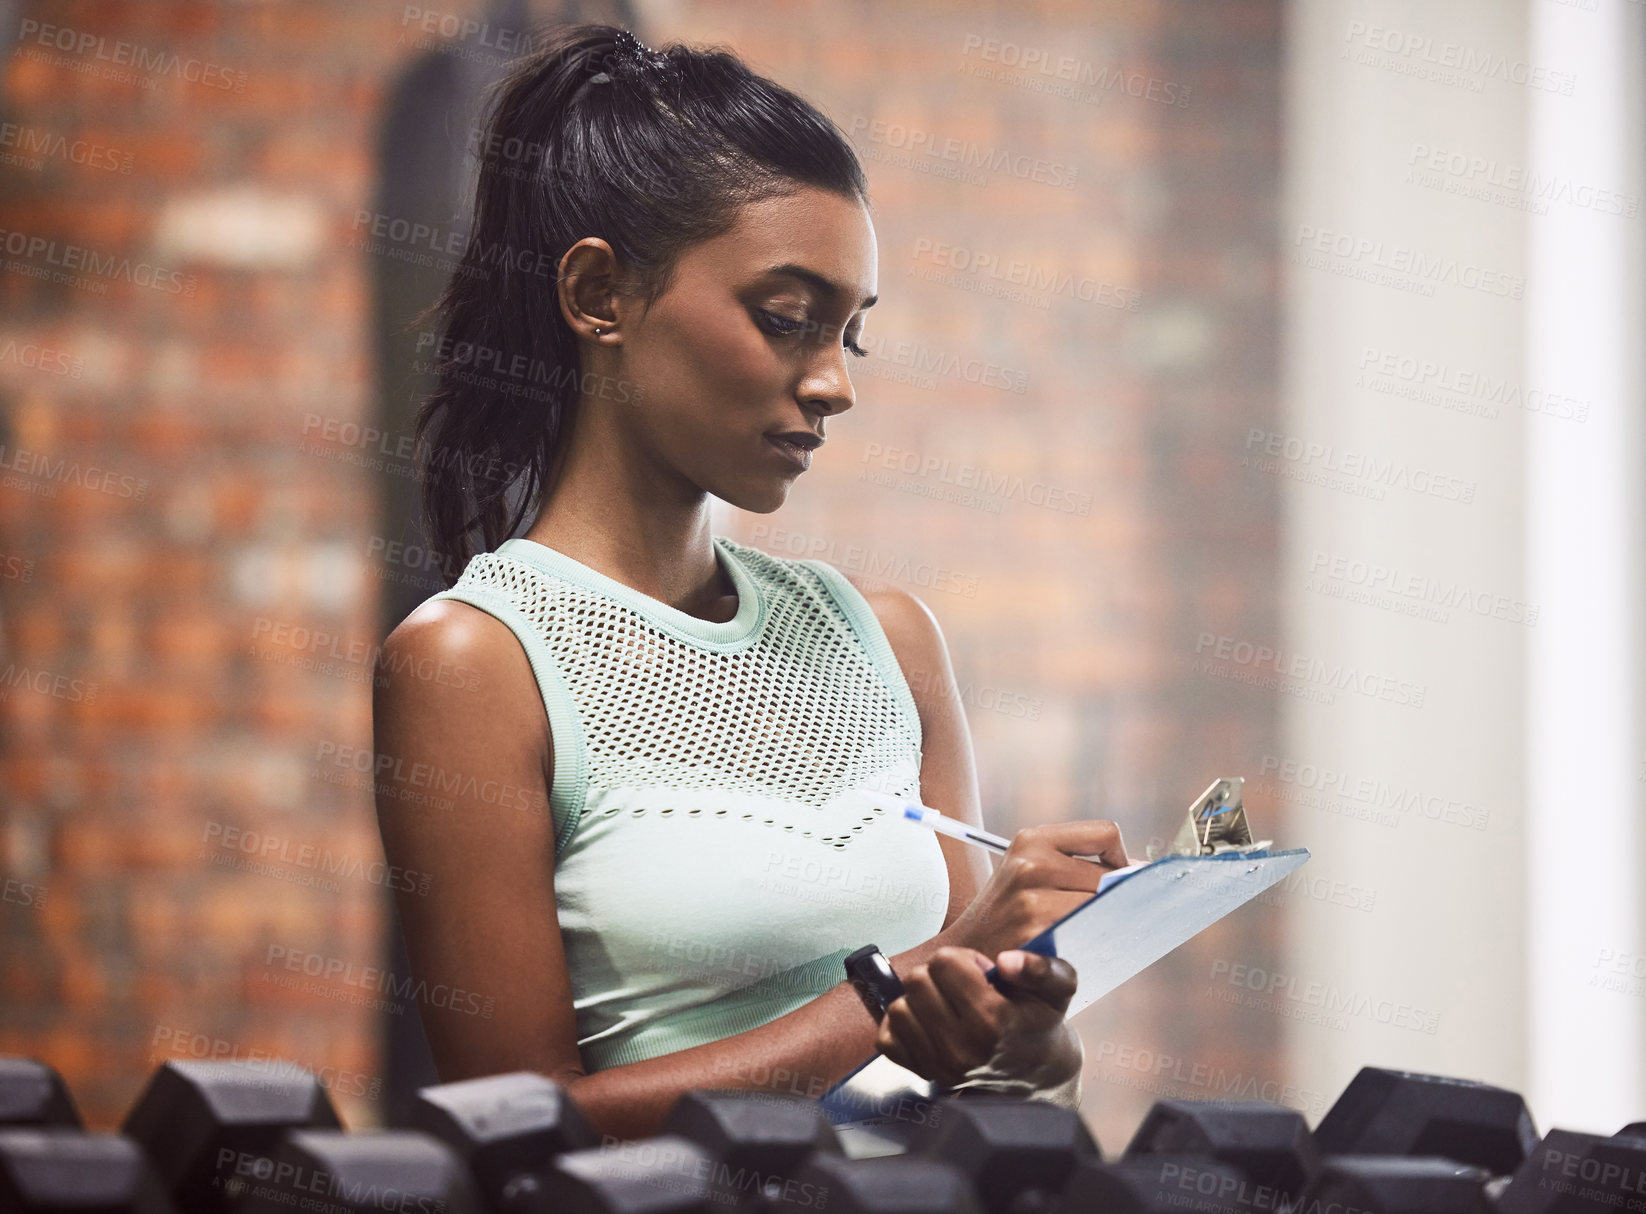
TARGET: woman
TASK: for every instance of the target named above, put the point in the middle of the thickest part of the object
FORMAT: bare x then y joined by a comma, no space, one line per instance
671,263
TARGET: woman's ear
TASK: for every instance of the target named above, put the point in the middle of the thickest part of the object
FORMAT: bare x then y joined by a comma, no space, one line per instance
587,288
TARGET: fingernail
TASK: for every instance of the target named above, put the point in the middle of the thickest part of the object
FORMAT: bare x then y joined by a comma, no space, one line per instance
1011,960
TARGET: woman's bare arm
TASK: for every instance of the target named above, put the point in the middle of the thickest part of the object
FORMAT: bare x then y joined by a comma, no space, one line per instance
485,937
487,923
948,772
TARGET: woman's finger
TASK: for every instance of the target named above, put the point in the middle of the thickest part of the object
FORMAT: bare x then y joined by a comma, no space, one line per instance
1050,977
941,1006
976,1009
1110,850
897,1040
919,1052
931,1010
1034,979
1077,854
887,1042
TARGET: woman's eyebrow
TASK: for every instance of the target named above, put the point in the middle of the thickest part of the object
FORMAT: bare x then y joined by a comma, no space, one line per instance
827,286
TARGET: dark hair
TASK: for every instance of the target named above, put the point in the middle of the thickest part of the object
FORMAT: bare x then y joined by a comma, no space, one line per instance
592,134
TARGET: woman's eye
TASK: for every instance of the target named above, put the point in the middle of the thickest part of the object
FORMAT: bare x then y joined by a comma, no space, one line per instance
782,326
788,326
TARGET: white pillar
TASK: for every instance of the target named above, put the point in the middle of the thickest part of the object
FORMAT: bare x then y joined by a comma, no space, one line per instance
1402,299
1585,548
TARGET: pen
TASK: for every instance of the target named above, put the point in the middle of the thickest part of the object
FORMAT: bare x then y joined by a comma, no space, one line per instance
965,832
955,828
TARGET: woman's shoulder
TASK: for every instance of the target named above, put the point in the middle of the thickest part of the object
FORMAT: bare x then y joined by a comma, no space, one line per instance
447,628
903,615
450,650
911,628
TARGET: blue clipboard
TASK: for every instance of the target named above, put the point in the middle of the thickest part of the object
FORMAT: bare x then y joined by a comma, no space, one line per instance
1136,919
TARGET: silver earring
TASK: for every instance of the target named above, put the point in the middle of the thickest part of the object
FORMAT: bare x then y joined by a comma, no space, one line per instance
598,332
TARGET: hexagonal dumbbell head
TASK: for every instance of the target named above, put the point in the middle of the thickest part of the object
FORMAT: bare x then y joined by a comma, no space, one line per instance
1269,1144
506,1129
58,1170
760,1138
1385,1112
667,1174
31,1093
372,1173
1145,1184
1394,1185
1015,1152
209,1128
885,1184
1573,1173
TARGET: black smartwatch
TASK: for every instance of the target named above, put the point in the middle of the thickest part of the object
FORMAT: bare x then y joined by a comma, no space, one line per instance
871,975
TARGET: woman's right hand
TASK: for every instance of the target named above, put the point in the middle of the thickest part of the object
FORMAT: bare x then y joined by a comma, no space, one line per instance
1038,881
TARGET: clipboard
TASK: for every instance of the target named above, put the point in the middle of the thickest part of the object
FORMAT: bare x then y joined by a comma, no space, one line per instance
1136,918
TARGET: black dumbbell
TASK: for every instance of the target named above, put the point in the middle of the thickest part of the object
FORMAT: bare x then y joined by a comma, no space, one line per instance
60,1170
666,1174
1156,1183
1573,1173
1268,1144
1384,1112
32,1093
209,1128
759,1140
1016,1153
884,1184
370,1173
506,1129
1397,1185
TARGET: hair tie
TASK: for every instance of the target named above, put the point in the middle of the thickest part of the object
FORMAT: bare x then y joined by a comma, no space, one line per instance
633,57
627,46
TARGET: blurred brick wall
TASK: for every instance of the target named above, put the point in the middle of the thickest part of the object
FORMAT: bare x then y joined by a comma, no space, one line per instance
207,605
163,692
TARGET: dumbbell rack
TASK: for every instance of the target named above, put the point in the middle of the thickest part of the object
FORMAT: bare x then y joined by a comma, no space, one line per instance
261,1138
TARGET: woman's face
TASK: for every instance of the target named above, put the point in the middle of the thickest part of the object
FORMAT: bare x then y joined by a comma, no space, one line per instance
750,341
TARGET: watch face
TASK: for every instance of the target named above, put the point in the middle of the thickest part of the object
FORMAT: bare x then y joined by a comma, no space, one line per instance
856,956
872,976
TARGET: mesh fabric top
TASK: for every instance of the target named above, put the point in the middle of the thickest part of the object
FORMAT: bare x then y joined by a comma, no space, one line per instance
712,866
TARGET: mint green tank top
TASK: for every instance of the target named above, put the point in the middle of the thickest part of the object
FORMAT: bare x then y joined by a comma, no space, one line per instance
712,866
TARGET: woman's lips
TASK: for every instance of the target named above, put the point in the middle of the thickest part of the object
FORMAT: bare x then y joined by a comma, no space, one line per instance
800,456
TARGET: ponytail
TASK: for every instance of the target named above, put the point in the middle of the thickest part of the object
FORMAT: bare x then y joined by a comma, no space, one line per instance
592,134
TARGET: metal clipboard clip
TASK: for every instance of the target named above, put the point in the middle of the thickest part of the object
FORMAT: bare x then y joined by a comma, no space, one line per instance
1216,824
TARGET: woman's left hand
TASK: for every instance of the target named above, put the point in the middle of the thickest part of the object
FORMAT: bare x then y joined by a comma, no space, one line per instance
950,1019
